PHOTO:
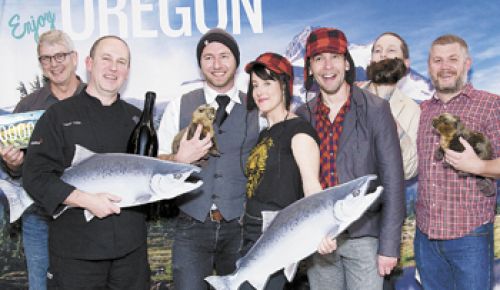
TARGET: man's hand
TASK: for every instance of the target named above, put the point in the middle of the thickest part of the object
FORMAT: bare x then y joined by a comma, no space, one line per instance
100,205
386,264
466,161
327,246
103,204
194,149
12,157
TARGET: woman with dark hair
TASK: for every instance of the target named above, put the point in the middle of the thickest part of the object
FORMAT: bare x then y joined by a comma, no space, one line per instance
284,165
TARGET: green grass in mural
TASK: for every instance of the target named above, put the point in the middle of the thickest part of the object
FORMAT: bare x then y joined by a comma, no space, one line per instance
160,235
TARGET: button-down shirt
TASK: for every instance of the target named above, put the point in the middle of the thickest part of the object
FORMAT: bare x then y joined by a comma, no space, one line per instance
450,206
329,134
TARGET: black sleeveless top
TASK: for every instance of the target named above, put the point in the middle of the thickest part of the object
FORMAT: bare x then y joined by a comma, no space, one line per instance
273,174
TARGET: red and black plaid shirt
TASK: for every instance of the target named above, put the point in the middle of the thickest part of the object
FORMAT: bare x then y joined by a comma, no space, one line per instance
449,206
329,134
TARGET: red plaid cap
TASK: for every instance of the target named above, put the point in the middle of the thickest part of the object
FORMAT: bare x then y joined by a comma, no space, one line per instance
276,63
324,40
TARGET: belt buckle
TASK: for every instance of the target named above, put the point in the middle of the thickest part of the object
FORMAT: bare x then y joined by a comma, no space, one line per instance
215,215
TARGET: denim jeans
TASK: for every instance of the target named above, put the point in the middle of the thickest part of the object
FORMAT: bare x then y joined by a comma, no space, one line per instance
353,266
459,264
201,247
35,242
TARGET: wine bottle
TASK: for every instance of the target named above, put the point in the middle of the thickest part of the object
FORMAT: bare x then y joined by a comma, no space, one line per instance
143,140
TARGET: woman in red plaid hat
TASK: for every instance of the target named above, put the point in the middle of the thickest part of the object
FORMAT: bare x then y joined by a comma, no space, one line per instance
284,165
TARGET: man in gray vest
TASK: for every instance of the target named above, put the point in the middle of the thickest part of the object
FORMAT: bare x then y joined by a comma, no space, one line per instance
208,233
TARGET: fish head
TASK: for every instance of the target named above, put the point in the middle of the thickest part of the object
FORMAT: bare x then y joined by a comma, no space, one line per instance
170,183
355,187
351,208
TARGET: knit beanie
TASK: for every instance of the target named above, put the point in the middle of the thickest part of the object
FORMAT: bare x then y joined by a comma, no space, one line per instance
221,36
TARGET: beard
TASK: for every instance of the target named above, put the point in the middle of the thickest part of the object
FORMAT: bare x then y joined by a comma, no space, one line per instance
386,71
455,88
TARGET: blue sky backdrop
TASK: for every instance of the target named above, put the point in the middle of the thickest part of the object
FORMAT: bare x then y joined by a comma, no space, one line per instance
162,63
418,22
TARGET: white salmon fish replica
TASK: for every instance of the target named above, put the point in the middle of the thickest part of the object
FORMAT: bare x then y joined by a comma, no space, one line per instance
136,179
296,231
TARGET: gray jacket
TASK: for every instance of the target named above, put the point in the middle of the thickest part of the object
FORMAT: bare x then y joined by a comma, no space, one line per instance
369,144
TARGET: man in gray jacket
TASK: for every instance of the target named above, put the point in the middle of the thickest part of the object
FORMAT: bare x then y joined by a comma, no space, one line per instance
358,136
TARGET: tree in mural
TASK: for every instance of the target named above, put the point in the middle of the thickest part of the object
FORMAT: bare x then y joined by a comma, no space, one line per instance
36,84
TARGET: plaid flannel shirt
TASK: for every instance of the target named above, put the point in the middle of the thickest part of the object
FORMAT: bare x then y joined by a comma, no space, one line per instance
329,134
449,206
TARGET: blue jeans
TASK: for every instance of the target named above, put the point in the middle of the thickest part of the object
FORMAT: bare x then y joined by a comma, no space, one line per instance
352,266
459,264
35,242
201,247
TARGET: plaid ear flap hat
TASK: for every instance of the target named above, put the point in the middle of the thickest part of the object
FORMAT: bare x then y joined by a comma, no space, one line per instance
276,63
330,40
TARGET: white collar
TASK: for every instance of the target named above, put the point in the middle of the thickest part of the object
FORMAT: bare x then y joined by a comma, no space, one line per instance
211,94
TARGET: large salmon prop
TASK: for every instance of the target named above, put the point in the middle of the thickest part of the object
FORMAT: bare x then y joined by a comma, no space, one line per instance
136,179
296,231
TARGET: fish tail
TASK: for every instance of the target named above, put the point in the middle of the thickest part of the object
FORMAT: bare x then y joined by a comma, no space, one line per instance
18,199
222,282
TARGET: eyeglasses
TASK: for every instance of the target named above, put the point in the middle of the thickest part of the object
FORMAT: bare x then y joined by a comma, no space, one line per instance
58,57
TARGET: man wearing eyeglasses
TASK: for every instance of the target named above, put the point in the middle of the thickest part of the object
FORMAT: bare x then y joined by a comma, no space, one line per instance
58,61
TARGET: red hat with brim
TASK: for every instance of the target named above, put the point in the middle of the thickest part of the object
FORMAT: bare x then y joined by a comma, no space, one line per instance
275,63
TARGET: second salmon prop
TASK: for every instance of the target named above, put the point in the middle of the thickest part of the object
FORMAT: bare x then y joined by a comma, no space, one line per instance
295,232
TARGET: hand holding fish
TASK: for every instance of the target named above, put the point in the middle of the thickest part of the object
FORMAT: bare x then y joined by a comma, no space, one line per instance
100,205
327,246
193,149
306,222
386,264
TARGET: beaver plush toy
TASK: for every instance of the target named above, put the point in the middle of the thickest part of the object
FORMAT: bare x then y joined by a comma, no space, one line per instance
451,128
203,115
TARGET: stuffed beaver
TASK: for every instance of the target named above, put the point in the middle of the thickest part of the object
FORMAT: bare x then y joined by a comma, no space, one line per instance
451,128
203,115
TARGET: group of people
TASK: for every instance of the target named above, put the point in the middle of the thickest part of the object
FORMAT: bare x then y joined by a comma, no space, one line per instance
344,130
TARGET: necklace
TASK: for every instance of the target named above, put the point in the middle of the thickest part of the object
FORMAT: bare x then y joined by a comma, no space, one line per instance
284,119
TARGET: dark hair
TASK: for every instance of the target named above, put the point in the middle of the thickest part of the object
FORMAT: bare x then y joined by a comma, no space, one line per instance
262,72
96,44
404,45
386,71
